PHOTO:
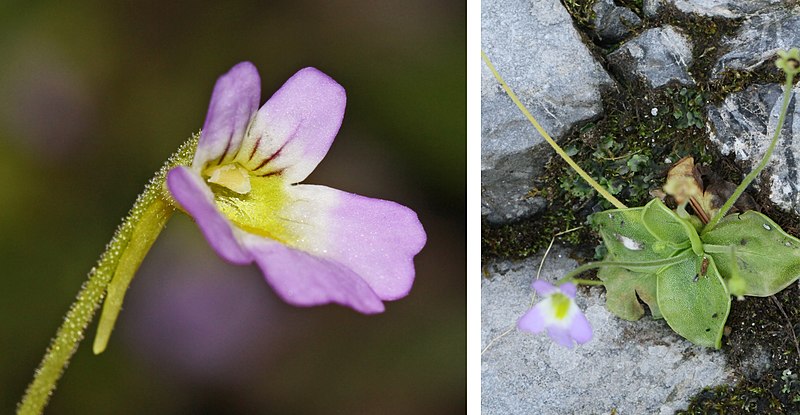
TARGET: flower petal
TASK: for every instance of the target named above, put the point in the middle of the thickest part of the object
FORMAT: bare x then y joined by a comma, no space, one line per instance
543,287
580,329
294,129
534,320
561,336
377,239
569,289
303,279
191,192
234,101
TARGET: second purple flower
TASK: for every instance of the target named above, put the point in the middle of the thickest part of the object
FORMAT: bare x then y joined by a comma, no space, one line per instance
558,314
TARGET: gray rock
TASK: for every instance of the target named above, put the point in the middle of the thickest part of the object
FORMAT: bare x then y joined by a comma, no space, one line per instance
657,56
744,125
729,9
759,38
613,23
536,48
637,367
651,8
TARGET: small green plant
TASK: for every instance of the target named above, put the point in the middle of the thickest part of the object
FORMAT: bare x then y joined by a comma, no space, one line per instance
620,169
791,385
687,108
684,266
581,11
788,378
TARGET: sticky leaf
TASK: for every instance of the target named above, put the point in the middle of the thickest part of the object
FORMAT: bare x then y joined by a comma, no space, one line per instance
768,258
695,306
624,288
627,238
664,224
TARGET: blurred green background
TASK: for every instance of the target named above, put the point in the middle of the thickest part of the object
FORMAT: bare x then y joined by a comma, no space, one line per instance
94,96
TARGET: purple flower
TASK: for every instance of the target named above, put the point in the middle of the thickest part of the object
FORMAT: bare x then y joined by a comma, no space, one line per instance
315,245
557,313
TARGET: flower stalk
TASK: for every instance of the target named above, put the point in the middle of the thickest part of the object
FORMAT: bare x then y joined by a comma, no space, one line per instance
113,273
560,151
788,62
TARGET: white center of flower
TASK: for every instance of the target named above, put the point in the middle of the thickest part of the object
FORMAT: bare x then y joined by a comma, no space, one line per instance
233,176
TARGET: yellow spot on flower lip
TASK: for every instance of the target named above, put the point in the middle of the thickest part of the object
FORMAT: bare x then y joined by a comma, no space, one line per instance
232,176
561,305
260,211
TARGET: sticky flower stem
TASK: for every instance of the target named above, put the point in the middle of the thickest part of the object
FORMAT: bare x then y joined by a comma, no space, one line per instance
600,189
787,95
114,271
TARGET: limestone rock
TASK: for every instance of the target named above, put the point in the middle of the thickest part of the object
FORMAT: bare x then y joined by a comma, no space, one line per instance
613,23
759,38
657,56
651,8
744,125
729,9
536,48
637,367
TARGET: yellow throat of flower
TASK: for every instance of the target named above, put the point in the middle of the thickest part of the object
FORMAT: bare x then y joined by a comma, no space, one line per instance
232,176
253,203
561,305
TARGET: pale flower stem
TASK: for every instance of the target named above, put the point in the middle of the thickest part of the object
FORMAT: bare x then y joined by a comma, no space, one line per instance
122,256
579,281
563,154
787,96
633,266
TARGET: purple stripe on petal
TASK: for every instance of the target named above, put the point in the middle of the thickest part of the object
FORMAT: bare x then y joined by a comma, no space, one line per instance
377,239
534,320
192,193
543,287
302,118
580,329
234,101
303,279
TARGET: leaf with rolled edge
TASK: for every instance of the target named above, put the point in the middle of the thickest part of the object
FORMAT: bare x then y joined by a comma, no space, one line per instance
695,306
629,239
768,257
664,224
622,289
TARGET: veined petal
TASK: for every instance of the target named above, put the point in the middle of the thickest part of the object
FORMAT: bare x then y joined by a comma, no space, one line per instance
377,239
234,101
294,129
192,193
303,279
